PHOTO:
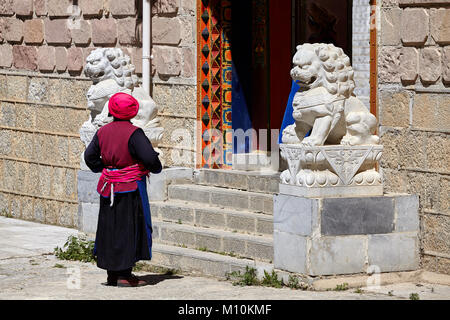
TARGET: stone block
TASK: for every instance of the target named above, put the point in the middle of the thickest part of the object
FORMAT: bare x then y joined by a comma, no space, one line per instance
167,61
61,59
7,7
406,213
104,32
40,8
394,252
83,34
430,65
352,216
388,65
241,223
166,31
409,64
7,56
210,218
46,59
91,8
411,149
87,186
260,250
230,199
13,30
188,6
187,31
5,144
290,252
128,34
59,8
440,25
23,7
431,111
75,60
264,226
122,8
337,255
295,215
176,213
414,26
88,217
168,6
179,237
57,32
34,31
25,57
234,181
26,116
390,31
394,108
17,87
261,203
8,114
208,241
435,234
446,64
136,56
234,245
438,152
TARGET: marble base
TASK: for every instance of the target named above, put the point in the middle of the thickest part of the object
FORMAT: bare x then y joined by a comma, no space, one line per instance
337,236
338,191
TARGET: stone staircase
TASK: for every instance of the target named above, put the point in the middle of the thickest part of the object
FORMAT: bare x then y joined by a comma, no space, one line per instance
217,222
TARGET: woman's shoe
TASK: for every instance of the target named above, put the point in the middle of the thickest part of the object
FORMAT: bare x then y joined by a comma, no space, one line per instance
131,281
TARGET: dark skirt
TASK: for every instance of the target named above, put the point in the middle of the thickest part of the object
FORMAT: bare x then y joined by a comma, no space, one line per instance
124,230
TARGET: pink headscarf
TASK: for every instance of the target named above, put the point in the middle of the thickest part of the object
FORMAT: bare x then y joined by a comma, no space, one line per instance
123,106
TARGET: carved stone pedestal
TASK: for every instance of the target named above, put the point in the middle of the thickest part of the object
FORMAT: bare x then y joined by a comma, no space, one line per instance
331,216
334,170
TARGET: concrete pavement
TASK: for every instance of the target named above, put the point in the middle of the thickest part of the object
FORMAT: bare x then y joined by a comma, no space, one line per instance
29,270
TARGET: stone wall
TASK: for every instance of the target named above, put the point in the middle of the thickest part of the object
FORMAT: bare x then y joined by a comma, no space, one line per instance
414,114
174,78
43,47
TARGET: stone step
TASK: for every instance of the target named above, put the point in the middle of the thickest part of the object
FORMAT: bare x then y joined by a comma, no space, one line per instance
222,197
203,263
212,217
263,182
213,240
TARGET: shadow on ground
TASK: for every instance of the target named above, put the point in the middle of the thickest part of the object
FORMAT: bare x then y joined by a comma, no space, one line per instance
153,279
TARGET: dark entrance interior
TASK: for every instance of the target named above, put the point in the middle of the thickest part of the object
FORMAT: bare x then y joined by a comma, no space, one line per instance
264,35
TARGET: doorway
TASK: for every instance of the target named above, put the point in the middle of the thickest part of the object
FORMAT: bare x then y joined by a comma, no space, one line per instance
244,62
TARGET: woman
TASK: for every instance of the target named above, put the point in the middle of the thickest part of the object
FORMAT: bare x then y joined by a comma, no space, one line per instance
125,156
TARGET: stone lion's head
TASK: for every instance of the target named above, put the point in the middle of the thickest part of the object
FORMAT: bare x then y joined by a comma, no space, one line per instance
323,65
111,63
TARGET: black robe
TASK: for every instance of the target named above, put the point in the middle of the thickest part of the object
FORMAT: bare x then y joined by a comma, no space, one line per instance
124,230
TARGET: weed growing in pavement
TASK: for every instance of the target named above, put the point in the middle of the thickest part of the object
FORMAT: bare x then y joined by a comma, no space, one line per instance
271,280
5,213
414,296
76,249
293,283
341,287
58,265
247,279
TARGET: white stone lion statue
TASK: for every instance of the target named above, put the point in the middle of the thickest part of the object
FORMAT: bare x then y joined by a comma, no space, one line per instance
111,71
326,103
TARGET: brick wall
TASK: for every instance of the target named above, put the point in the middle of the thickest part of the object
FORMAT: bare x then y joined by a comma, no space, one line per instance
43,46
414,114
